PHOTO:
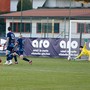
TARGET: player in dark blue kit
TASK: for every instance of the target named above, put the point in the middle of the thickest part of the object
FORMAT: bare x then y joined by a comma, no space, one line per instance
20,45
10,43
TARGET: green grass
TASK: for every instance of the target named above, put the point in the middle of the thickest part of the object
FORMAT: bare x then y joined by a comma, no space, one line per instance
45,74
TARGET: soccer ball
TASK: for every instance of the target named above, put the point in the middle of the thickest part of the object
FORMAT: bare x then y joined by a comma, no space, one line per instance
0,60
0,45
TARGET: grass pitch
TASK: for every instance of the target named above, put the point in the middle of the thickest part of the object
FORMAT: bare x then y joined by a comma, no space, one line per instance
45,74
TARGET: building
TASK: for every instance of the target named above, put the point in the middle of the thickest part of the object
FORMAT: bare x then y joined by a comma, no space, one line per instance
4,6
49,22
13,5
58,4
8,5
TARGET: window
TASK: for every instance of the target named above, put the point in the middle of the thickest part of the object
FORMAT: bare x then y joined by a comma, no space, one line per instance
39,27
19,25
87,28
24,27
47,27
28,27
84,27
56,28
80,27
14,28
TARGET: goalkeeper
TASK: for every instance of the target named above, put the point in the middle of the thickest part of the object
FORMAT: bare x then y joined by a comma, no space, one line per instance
84,52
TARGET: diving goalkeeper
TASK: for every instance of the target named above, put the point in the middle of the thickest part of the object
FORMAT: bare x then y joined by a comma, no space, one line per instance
84,52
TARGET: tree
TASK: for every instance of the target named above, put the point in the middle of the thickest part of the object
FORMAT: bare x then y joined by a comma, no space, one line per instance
24,5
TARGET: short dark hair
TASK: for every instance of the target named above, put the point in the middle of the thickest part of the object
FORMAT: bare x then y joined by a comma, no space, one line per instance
81,47
9,28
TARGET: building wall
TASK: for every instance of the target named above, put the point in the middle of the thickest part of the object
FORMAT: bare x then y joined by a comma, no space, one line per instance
57,3
63,27
34,28
50,3
38,3
67,3
13,5
4,5
8,5
74,33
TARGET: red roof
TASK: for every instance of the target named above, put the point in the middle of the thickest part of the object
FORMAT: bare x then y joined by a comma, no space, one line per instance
51,13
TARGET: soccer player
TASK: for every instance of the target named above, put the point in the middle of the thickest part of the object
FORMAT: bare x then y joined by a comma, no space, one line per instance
84,52
10,43
20,46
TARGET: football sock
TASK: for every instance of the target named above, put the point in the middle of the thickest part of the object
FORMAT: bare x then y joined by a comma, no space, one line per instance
15,58
25,59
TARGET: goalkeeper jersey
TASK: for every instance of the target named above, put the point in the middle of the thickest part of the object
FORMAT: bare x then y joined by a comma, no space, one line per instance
84,52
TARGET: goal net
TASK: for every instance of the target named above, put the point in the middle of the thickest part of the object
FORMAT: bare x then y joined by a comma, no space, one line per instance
80,30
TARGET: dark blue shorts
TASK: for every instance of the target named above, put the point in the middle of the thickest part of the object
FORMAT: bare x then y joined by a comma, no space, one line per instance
19,52
10,48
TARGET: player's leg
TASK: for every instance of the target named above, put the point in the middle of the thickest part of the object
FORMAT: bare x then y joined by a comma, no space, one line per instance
15,57
9,57
23,58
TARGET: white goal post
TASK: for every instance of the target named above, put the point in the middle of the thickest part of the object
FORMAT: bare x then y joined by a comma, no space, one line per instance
70,33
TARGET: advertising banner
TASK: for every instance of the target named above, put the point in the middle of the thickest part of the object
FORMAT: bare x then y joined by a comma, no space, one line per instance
49,47
52,47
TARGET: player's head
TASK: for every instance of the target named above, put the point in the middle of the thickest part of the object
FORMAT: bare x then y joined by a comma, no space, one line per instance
20,36
81,47
9,29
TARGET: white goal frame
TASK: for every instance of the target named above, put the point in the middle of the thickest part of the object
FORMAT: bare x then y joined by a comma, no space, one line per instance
70,32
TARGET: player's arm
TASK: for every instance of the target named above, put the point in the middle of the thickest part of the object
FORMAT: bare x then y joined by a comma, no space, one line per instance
16,44
7,41
84,46
81,54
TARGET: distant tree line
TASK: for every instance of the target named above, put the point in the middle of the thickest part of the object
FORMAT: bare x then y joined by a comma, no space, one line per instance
24,5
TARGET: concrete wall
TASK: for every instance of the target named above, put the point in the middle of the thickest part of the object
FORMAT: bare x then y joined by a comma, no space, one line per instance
13,5
58,3
38,3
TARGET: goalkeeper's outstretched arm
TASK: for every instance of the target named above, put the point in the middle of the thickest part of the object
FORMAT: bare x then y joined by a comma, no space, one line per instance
84,45
81,54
